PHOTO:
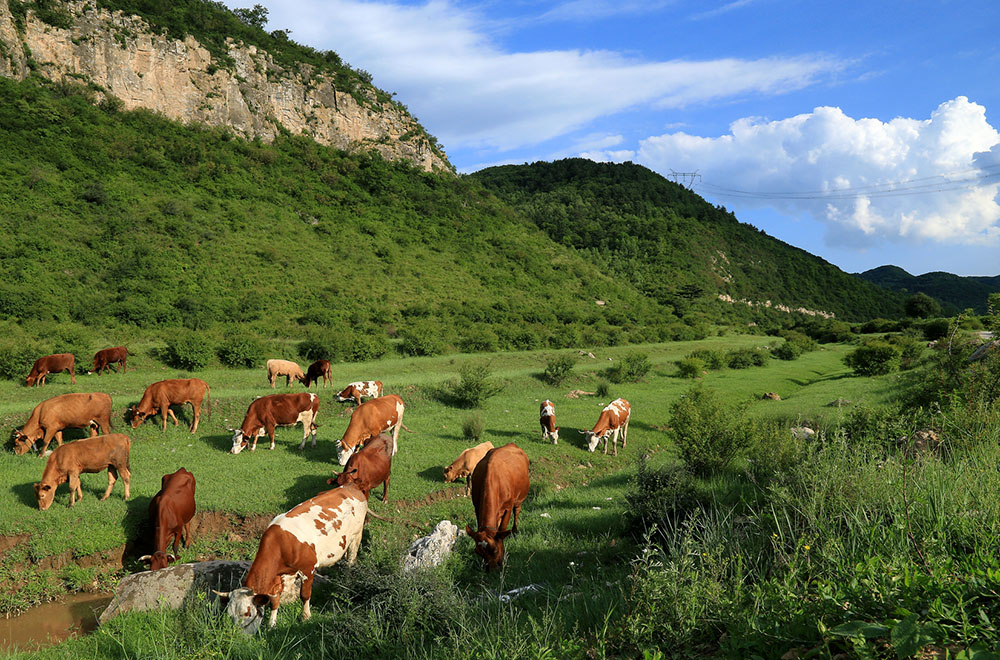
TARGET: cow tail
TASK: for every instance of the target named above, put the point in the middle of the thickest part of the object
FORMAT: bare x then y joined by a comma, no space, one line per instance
208,395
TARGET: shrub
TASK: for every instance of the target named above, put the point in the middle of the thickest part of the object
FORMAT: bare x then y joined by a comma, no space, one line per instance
422,338
713,359
473,427
188,350
661,497
557,369
910,349
478,340
16,358
365,346
786,351
772,449
875,358
936,329
321,345
564,336
603,390
744,358
690,367
240,351
472,388
631,368
707,433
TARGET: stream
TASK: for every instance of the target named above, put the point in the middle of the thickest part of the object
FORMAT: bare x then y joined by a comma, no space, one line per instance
52,623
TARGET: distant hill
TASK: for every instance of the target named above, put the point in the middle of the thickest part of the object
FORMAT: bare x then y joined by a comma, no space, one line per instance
668,241
954,292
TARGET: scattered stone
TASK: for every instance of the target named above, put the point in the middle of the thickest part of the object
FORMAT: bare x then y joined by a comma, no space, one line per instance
545,515
838,403
432,549
773,396
596,508
576,394
508,596
802,432
600,303
983,351
920,443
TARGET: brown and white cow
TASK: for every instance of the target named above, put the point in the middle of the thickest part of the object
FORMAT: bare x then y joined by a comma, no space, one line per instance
290,370
51,364
52,416
547,418
499,485
170,512
613,421
159,396
369,467
362,388
369,420
105,358
466,463
318,369
89,455
317,533
269,412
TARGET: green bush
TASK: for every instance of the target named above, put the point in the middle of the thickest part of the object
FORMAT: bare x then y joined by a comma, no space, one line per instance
936,329
188,350
422,338
364,346
241,352
875,358
632,368
690,367
786,351
321,344
558,369
478,340
713,360
473,427
472,388
744,358
772,449
16,358
707,433
660,498
603,390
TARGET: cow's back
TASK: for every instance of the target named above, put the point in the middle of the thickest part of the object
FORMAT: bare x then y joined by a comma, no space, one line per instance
501,479
91,454
74,408
331,522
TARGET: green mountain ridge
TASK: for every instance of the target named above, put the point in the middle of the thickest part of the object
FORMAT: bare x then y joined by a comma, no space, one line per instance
954,292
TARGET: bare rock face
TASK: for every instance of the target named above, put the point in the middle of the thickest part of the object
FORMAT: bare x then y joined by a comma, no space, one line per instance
175,586
120,53
433,549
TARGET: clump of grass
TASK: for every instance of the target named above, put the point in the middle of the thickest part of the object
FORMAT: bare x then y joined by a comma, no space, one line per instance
472,388
473,426
632,368
603,390
558,369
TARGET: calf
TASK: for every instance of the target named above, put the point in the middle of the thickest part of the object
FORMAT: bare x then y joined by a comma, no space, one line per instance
466,462
499,485
171,511
317,533
51,364
547,418
369,467
109,356
286,368
613,420
275,410
52,416
159,396
368,420
90,455
358,389
319,368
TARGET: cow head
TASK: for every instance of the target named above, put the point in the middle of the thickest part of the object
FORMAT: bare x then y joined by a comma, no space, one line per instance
450,474
245,608
489,545
345,395
22,443
241,440
45,493
593,439
348,476
30,380
554,436
136,417
158,560
344,454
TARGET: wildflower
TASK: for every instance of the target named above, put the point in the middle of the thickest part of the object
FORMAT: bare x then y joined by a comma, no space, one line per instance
807,548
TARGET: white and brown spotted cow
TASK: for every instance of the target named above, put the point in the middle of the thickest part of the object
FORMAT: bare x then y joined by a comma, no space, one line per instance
368,420
547,418
317,533
362,388
613,420
274,410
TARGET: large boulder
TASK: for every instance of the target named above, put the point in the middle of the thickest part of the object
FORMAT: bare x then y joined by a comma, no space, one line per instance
174,586
432,549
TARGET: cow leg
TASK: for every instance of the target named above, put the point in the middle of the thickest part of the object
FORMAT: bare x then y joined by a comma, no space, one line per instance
352,550
517,512
112,477
614,440
197,415
504,519
187,533
624,433
126,476
75,492
306,594
270,434
48,438
275,603
173,416
385,491
72,375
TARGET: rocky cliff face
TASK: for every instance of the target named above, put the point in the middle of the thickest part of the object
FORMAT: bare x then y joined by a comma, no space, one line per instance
254,96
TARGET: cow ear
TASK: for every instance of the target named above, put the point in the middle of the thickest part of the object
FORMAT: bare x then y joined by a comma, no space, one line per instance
37,488
260,600
502,535
43,486
171,558
468,530
148,559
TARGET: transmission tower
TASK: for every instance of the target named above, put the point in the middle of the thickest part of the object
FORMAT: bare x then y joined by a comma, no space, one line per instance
686,179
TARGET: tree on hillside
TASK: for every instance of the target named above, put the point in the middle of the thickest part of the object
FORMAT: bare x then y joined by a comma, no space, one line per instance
255,17
922,306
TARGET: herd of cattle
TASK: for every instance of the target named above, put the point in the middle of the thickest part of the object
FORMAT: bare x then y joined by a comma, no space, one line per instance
314,534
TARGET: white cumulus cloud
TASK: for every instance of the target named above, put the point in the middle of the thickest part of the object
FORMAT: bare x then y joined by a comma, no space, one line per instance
934,179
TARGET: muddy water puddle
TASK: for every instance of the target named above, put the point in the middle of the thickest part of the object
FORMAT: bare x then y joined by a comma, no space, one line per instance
52,623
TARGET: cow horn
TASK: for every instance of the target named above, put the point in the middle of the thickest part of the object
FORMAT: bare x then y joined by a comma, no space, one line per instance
221,594
171,558
146,558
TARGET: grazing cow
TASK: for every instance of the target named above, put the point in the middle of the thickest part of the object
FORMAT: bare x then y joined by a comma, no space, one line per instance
369,467
268,412
353,392
368,420
286,368
316,370
499,486
466,463
547,418
90,455
171,511
51,364
52,416
315,534
613,420
159,396
109,356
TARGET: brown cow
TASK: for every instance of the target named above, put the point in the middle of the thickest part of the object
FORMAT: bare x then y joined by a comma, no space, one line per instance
356,390
369,467
51,364
499,485
318,369
290,370
274,410
171,511
466,463
547,418
52,416
159,396
105,358
613,421
90,455
317,533
368,420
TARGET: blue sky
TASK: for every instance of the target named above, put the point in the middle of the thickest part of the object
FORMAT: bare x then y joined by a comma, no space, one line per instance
863,132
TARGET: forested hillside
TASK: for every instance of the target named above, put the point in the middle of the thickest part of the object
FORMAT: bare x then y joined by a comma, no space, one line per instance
954,292
667,241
